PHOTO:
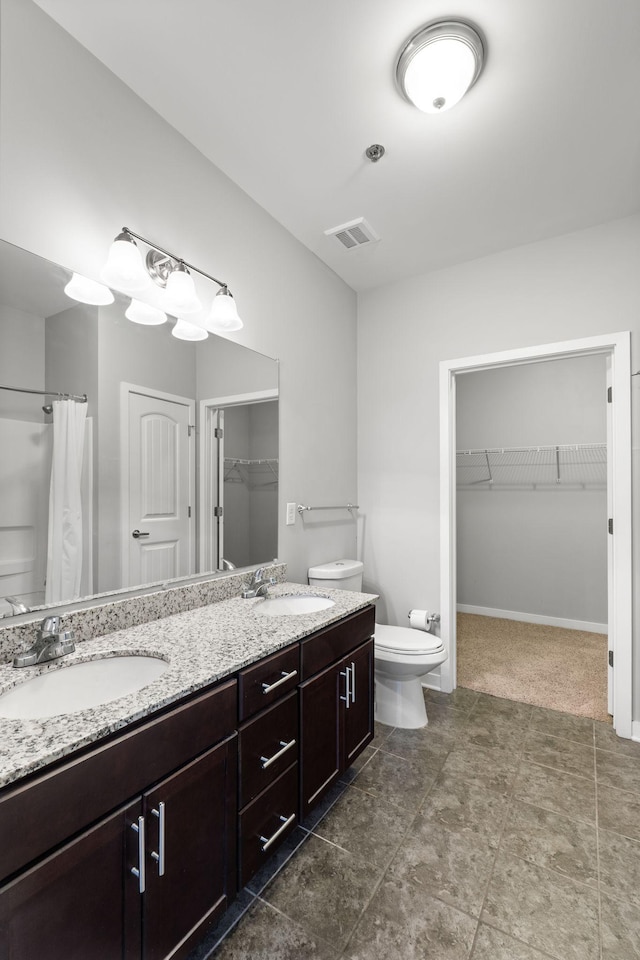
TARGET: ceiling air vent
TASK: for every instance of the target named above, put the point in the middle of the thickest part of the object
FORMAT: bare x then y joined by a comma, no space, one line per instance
356,233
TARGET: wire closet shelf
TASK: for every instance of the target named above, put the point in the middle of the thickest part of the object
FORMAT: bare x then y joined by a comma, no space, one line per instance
253,473
577,466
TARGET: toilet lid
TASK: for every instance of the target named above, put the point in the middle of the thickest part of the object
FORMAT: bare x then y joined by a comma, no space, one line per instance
406,640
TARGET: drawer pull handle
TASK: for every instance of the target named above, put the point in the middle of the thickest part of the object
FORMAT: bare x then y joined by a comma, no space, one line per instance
268,687
139,870
346,673
159,857
286,822
267,761
353,682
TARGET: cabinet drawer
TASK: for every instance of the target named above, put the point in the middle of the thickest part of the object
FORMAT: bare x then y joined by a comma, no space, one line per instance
265,823
98,781
268,745
328,645
266,681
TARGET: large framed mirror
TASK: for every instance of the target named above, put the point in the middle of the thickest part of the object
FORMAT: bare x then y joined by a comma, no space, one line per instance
179,445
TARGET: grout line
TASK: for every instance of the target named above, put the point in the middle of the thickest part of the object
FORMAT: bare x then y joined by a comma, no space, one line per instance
595,777
309,934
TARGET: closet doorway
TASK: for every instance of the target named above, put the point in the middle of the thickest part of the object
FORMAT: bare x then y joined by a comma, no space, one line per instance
522,465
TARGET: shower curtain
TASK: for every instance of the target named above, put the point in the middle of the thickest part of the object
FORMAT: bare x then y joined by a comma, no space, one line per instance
64,550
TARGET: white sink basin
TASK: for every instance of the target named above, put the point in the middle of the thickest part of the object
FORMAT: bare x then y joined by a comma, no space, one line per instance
80,686
292,606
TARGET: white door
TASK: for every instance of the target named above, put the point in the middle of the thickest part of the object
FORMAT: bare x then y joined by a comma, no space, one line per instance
610,564
160,477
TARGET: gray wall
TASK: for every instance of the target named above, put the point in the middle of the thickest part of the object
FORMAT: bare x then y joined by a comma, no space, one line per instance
578,285
21,363
73,174
535,551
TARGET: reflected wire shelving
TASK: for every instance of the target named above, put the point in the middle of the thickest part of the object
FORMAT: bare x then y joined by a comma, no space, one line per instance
253,473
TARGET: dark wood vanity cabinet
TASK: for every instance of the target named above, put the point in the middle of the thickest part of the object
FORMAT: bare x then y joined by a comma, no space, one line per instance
336,703
146,880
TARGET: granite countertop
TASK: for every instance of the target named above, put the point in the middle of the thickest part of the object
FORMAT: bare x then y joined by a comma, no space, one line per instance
201,646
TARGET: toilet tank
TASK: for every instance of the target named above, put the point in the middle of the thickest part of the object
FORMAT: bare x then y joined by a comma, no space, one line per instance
339,574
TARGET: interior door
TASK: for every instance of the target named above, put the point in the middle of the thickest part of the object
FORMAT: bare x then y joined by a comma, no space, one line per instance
610,565
161,470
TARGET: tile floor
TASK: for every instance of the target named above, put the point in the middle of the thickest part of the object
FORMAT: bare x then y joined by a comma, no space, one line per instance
500,831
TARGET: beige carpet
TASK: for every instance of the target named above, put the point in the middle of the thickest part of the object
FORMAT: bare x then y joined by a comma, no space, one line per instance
548,666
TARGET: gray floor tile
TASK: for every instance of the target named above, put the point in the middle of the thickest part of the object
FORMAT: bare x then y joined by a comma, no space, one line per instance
619,811
365,825
459,699
554,790
619,866
445,720
399,781
622,772
425,745
492,767
565,725
455,867
404,923
380,733
352,772
493,730
324,889
492,944
265,934
607,739
560,754
465,808
227,922
620,930
518,713
552,841
543,909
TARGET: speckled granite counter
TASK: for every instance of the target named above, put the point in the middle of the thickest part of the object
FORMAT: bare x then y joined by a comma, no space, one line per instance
201,647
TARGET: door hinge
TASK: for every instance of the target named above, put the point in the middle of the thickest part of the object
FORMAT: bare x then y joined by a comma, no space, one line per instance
191,429
610,524
610,658
189,512
609,394
218,433
217,511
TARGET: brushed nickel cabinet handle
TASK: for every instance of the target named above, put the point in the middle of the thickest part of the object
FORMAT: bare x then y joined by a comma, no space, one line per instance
268,687
347,686
353,682
139,871
286,822
267,761
160,856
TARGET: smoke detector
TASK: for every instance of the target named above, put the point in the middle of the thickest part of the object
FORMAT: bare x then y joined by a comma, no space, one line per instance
354,234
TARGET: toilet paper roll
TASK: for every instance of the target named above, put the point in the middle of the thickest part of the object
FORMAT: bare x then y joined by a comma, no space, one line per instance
420,620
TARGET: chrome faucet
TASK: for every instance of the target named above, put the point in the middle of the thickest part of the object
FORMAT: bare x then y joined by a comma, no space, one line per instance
259,585
51,643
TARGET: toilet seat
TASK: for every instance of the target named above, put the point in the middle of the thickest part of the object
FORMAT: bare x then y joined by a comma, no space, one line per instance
403,640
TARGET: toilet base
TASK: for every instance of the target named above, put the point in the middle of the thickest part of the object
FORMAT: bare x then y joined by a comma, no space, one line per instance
400,703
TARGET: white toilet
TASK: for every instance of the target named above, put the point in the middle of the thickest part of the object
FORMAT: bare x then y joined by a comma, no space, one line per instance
402,655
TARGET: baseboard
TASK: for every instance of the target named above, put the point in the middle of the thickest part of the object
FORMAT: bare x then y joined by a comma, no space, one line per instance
535,618
635,730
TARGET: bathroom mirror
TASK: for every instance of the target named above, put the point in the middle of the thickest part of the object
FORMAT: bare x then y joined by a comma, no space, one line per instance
179,472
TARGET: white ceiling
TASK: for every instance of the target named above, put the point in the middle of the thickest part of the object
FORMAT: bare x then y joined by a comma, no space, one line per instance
285,96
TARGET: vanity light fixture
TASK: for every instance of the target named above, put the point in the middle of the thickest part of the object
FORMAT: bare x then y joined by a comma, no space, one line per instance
173,274
88,291
439,63
140,312
183,330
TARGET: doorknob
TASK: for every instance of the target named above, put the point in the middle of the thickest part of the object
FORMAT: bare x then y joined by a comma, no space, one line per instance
139,533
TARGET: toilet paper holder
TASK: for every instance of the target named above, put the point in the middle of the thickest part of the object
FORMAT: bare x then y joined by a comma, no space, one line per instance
423,619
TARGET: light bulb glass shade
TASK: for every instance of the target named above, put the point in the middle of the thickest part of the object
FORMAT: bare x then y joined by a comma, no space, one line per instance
184,330
180,293
124,269
88,291
439,64
223,316
140,312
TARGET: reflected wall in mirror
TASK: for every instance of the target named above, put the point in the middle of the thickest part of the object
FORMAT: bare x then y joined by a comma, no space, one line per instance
174,468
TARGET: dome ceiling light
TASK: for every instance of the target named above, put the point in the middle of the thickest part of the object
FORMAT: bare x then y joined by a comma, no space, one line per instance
439,64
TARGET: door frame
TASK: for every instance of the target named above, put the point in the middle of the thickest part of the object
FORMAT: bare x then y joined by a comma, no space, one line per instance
125,390
207,467
617,347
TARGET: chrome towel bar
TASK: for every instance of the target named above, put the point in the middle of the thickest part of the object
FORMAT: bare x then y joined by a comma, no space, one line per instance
344,506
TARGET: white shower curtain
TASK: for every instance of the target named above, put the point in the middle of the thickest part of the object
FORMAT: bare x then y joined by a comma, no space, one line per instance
64,552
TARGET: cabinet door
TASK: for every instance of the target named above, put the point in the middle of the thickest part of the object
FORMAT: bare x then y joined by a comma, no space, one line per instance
190,866
358,715
75,905
320,732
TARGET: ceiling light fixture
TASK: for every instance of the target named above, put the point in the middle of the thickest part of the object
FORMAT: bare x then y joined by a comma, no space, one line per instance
139,312
439,64
183,330
126,269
